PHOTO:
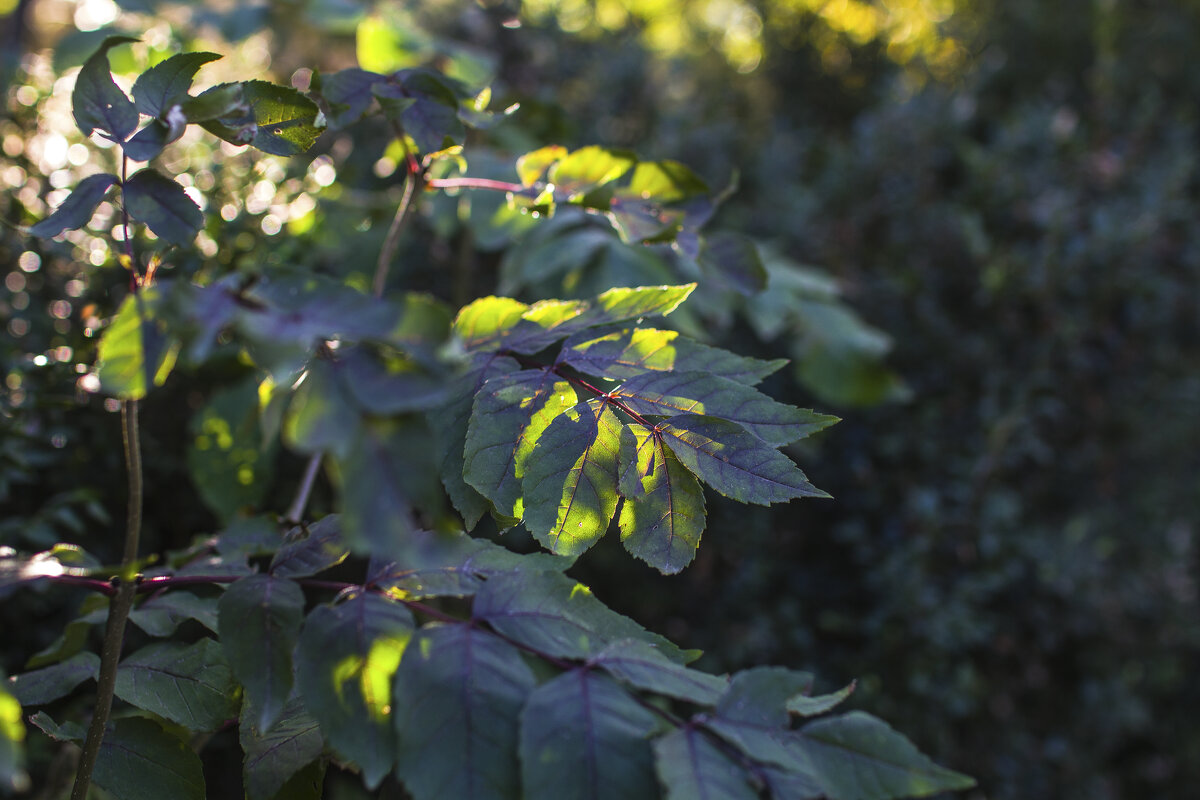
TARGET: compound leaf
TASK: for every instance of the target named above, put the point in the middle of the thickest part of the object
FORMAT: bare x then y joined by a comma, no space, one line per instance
634,351
457,696
662,517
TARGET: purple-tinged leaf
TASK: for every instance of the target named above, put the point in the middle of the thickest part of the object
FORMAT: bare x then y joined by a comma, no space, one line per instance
734,261
48,684
732,461
191,685
310,549
259,622
162,204
167,82
273,758
642,665
662,517
458,694
691,767
347,93
141,760
77,210
149,142
630,352
97,102
583,737
570,484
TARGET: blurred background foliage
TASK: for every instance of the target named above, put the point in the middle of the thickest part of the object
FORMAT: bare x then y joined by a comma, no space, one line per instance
975,218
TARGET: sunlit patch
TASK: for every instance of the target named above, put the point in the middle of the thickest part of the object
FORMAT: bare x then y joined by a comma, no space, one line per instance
373,674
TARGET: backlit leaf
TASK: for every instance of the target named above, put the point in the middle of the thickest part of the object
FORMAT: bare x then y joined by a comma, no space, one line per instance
532,166
226,459
571,481
483,323
77,210
190,685
345,662
733,462
280,120
588,168
97,102
662,517
161,203
665,182
458,693
634,351
13,777
136,350
583,737
260,618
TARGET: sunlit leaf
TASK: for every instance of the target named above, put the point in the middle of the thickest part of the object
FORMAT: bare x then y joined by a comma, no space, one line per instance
136,350
483,323
510,412
588,168
532,166
345,661
163,205
259,620
97,102
140,760
570,485
190,685
77,210
733,462
279,120
458,693
662,516
214,103
13,777
634,351
583,737
665,182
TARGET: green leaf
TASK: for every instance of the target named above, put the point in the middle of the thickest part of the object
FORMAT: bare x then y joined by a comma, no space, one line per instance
48,684
642,665
345,662
588,168
310,549
757,696
532,166
149,142
458,693
483,324
733,462
621,304
136,351
97,102
807,706
662,517
389,386
665,182
323,416
735,262
274,758
857,755
191,685
552,613
161,614
67,732
140,760
584,738
225,457
77,210
280,120
450,425
510,412
670,393
690,766
167,82
92,611
571,482
347,93
634,351
214,103
12,736
259,622
163,205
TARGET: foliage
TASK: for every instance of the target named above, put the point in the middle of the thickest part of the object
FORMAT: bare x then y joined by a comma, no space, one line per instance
461,667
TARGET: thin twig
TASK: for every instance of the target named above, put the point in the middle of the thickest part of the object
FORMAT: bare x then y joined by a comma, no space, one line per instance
295,512
475,183
392,240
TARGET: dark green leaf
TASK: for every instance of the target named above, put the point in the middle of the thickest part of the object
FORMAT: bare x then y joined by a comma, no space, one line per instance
432,116
163,205
323,416
260,618
147,143
735,261
662,517
167,82
346,658
450,425
97,102
857,756
691,767
390,386
225,457
807,706
280,120
161,614
457,696
733,462
347,93
273,758
310,549
669,393
511,411
571,482
758,695
588,168
642,665
139,760
584,738
77,210
136,351
50,683
557,616
190,685
92,611
67,732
